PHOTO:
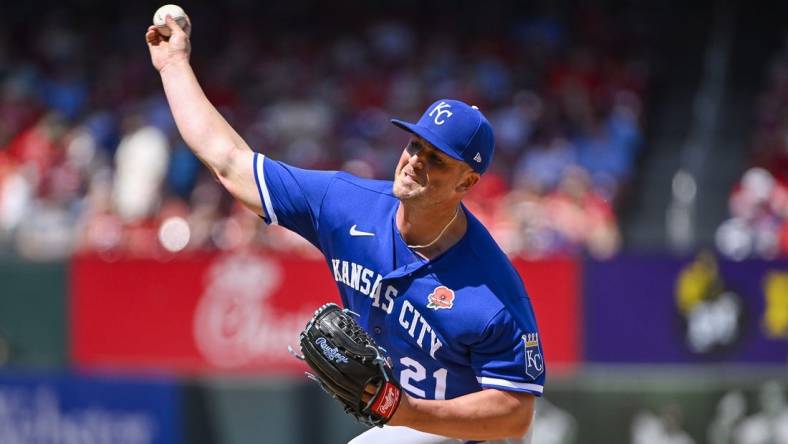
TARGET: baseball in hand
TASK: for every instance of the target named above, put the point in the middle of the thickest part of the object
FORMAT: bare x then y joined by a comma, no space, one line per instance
174,11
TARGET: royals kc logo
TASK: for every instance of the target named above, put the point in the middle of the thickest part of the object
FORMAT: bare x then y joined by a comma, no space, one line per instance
441,109
534,363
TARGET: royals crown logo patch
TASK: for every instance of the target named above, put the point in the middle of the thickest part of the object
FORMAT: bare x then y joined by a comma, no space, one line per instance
534,363
441,297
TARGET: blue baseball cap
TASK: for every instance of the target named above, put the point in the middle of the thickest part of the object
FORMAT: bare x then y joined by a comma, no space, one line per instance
458,129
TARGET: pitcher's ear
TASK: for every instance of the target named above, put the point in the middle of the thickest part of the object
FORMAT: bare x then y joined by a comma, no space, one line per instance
468,182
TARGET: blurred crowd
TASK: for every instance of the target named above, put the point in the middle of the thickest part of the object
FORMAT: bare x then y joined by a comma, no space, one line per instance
90,159
758,223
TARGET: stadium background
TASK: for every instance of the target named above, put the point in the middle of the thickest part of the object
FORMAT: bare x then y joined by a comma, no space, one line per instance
639,186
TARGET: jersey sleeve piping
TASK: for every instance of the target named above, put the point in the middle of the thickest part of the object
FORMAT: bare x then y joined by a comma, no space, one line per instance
262,189
513,386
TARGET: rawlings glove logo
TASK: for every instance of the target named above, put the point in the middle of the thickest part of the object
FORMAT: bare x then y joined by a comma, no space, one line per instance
346,376
388,401
331,353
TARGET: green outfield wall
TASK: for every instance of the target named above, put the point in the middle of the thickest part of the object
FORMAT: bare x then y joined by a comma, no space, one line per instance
33,314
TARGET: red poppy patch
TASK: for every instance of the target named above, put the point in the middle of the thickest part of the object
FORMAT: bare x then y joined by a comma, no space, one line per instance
441,297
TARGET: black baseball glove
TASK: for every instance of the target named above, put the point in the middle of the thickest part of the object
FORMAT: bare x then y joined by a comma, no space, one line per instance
346,362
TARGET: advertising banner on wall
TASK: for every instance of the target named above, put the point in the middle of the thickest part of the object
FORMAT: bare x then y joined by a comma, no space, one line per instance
554,288
64,408
239,312
699,310
231,312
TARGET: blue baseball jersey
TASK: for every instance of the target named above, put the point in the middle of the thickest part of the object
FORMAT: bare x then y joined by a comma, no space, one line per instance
452,325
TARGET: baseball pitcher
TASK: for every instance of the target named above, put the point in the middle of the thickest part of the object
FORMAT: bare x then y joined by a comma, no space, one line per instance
445,321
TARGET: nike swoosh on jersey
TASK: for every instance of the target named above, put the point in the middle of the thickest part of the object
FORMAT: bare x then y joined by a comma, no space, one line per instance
355,232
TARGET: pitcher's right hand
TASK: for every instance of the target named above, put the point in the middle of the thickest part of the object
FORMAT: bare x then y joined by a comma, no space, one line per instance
173,49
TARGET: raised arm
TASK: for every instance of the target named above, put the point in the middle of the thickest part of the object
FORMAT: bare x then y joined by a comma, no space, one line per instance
203,129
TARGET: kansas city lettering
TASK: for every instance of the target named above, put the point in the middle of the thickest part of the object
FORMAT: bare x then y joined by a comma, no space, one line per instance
360,279
368,283
411,320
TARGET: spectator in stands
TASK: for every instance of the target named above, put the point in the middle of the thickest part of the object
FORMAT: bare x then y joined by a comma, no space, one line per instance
758,226
75,152
759,210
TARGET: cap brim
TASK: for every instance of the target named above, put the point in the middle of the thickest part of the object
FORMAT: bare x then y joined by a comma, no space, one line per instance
429,136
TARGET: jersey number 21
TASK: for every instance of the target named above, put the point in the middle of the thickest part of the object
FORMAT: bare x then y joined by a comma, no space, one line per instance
416,373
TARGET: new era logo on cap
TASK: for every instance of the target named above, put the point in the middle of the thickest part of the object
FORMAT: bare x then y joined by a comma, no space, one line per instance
458,129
